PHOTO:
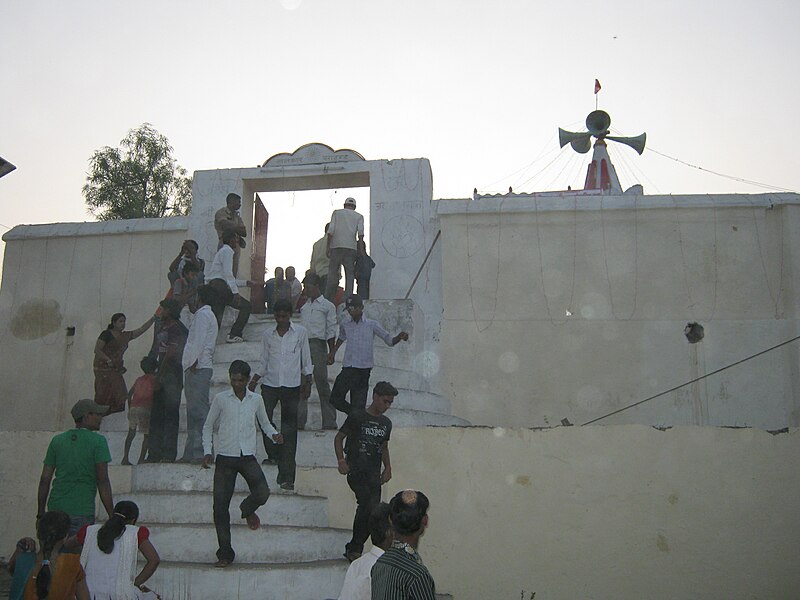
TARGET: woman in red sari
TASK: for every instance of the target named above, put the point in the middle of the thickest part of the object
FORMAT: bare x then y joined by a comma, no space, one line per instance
109,384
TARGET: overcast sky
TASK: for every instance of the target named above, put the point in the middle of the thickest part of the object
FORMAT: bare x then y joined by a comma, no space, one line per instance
478,87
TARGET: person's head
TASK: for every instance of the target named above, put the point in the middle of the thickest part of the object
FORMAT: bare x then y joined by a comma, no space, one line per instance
279,273
326,227
51,530
125,513
190,270
190,248
409,512
172,308
380,528
205,295
148,365
230,238
239,374
117,322
290,273
87,414
383,395
311,284
282,311
354,306
350,203
233,201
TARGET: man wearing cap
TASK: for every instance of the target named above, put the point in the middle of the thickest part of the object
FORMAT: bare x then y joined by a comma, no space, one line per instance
358,331
346,225
367,464
227,219
79,460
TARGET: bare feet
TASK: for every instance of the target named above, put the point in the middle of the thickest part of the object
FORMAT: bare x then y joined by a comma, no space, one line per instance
253,522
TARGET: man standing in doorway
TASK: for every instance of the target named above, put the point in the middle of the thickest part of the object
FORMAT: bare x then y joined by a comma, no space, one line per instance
345,229
228,219
79,459
358,332
237,411
285,367
318,315
399,573
367,447
320,261
198,367
226,287
295,289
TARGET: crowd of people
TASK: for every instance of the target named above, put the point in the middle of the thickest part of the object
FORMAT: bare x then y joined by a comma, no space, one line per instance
293,355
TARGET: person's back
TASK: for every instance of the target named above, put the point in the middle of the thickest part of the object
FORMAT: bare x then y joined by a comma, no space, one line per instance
346,224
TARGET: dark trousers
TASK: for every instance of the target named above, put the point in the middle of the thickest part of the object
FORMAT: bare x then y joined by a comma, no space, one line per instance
165,418
285,454
222,297
319,358
225,472
367,488
341,257
363,288
355,381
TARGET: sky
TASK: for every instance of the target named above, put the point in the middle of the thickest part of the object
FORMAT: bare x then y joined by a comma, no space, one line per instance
477,87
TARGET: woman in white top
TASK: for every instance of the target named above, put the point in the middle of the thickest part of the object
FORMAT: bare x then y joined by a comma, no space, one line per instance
109,556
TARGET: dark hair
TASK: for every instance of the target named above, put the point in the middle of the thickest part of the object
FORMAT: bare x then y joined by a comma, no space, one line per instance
283,305
239,367
312,279
195,244
380,528
232,196
205,294
115,317
148,364
190,267
124,512
408,509
326,227
384,388
51,529
229,235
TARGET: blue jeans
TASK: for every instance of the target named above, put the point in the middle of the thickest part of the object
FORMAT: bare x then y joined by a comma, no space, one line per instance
197,385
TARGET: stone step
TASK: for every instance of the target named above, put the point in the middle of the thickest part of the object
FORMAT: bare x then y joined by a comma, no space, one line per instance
313,580
271,544
400,378
182,477
190,507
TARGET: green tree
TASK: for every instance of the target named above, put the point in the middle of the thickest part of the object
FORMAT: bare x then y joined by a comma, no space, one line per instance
137,180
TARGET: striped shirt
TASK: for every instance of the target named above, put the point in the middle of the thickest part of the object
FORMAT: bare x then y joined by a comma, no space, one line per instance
400,575
358,352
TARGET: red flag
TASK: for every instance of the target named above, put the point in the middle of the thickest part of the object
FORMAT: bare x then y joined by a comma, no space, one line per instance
597,86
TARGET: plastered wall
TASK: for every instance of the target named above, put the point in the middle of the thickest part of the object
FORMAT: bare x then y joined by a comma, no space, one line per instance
619,512
74,275
571,308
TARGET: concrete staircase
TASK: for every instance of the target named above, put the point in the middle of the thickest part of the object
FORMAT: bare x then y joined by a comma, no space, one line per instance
295,554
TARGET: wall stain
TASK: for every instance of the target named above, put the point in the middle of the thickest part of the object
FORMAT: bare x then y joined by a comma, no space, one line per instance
35,319
523,480
673,499
661,543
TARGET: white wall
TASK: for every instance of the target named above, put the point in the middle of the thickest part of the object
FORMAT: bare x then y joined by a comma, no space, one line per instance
632,271
74,275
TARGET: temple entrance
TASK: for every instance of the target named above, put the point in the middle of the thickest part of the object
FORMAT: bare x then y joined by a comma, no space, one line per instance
287,224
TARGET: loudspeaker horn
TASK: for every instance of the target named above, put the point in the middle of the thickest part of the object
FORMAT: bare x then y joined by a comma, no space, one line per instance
598,123
580,142
637,143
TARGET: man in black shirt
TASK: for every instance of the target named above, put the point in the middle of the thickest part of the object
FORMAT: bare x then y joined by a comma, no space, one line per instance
367,447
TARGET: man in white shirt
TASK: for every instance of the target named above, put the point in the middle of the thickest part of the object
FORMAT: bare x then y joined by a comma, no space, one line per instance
346,225
295,289
318,316
236,410
285,373
226,287
357,582
198,366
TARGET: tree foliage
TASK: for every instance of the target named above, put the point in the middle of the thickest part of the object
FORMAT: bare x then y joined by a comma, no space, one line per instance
137,180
